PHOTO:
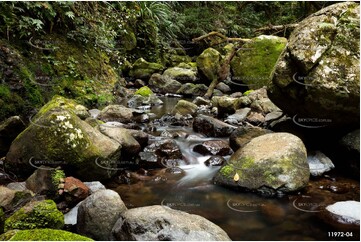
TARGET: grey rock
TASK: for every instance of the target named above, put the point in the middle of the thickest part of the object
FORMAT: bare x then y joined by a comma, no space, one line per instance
212,127
319,163
239,116
163,223
94,186
117,113
98,213
273,116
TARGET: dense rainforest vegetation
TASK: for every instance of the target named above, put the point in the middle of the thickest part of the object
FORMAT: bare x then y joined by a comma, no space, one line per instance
62,44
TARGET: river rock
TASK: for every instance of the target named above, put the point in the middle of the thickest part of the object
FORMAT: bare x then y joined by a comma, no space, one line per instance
98,213
264,105
208,64
254,62
117,113
344,215
244,134
312,78
45,181
41,235
130,146
223,87
9,129
215,160
160,154
163,223
213,147
273,116
239,116
212,127
164,84
58,137
36,214
140,136
11,199
143,69
183,75
140,100
319,163
94,186
74,190
201,101
268,163
255,118
184,107
191,89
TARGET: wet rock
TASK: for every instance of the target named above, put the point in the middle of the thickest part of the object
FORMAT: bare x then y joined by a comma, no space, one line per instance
215,161
254,62
184,107
74,191
94,113
208,64
183,75
164,84
143,69
213,147
94,186
255,118
17,186
344,215
28,216
350,149
138,100
140,136
242,135
191,89
11,199
9,129
212,127
273,116
311,78
70,218
319,163
268,163
58,137
117,113
225,104
98,213
139,83
264,105
239,116
163,223
130,146
242,102
175,170
161,153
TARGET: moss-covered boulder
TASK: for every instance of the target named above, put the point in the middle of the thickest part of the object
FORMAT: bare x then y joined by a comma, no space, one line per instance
254,62
268,164
143,69
191,89
42,235
208,64
318,74
175,59
36,214
184,107
144,91
183,75
57,136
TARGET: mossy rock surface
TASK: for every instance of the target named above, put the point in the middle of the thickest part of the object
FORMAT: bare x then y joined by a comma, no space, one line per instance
191,89
143,69
267,164
318,74
144,91
56,137
36,214
208,64
183,75
42,235
2,220
254,62
184,107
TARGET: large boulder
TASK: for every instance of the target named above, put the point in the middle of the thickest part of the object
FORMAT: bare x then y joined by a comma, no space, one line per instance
318,75
208,64
42,235
117,113
183,75
163,223
56,137
191,89
244,134
254,62
98,213
212,127
143,69
184,107
36,214
270,163
164,84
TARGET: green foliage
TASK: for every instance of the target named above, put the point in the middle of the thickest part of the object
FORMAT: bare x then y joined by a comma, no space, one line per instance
246,93
57,175
42,235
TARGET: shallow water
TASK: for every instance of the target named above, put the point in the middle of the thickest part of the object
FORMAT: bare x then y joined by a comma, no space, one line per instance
244,216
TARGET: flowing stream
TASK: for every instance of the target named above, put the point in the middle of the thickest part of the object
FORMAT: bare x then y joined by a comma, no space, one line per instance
244,216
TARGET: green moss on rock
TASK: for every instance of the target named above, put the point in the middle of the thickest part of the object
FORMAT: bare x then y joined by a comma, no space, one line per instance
42,235
144,91
208,63
2,220
36,214
254,62
143,69
57,175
